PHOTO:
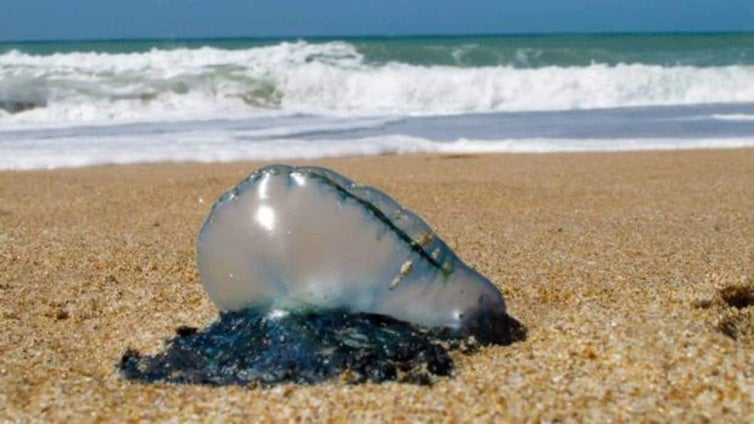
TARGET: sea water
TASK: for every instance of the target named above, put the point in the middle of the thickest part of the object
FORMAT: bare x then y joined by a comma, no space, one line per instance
78,103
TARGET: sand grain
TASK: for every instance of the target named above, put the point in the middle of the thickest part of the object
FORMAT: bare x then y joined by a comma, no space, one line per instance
617,263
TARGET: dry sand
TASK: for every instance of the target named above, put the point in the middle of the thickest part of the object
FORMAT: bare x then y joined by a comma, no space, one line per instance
630,271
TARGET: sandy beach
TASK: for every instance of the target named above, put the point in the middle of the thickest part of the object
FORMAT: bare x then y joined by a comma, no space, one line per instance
633,272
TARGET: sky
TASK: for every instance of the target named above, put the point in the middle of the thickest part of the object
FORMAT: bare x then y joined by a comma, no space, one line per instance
109,19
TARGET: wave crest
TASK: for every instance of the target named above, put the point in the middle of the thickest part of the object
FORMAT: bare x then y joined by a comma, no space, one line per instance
329,77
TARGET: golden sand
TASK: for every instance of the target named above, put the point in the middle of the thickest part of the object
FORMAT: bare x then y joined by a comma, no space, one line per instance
632,272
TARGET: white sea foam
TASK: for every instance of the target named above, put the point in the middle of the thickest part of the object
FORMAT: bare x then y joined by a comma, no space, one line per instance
733,117
304,100
78,151
326,78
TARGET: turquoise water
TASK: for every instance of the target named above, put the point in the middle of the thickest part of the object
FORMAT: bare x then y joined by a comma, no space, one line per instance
522,51
80,103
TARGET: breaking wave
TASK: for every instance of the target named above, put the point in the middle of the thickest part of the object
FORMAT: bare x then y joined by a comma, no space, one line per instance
325,78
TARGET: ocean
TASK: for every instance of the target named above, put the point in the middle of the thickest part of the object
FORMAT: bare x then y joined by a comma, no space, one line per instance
81,103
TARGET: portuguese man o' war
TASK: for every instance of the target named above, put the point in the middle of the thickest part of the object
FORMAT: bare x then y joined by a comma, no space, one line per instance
316,276
290,238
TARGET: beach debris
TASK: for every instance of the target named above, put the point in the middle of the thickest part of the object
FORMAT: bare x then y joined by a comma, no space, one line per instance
733,301
318,277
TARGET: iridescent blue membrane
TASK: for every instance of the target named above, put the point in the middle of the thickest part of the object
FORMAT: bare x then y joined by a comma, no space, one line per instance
249,347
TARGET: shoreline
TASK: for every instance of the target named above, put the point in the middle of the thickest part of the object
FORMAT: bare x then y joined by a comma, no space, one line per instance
741,144
620,265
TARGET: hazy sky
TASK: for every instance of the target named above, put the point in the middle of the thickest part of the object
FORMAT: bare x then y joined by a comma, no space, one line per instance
75,19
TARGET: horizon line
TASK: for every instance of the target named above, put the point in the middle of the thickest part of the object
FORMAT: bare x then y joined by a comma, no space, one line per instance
375,35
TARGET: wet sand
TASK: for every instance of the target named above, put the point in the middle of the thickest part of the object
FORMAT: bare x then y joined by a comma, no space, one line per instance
632,271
